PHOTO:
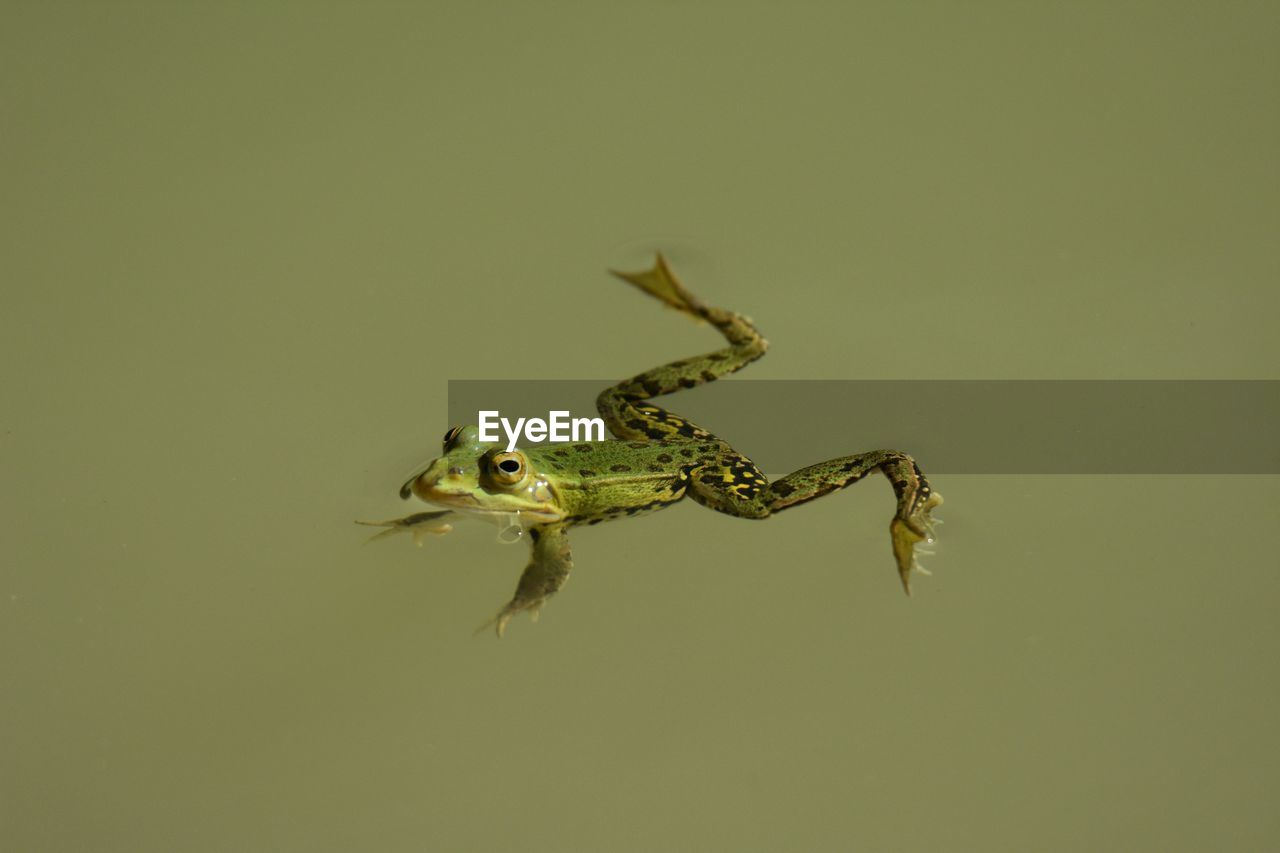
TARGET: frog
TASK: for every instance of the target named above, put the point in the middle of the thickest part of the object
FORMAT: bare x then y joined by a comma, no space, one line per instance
655,459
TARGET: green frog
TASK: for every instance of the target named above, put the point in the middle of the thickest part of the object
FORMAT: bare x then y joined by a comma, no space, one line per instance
657,459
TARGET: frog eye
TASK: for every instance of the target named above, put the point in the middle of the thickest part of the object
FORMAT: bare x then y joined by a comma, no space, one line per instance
451,435
508,468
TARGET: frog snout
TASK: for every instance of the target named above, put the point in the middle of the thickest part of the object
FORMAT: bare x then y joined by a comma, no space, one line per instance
436,482
423,485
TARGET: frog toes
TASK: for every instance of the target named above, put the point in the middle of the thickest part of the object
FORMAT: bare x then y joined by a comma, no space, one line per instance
381,534
905,538
504,616
420,536
497,622
420,525
661,283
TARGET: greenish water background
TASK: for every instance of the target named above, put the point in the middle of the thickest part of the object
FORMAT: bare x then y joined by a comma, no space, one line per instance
245,246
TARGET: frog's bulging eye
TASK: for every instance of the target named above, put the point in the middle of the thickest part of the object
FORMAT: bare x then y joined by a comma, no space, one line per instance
508,468
451,435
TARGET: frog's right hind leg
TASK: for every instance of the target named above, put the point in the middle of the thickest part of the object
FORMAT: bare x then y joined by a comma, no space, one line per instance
617,405
733,484
420,524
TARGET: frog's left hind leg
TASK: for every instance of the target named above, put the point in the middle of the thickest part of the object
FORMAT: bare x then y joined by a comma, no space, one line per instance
620,405
734,485
548,569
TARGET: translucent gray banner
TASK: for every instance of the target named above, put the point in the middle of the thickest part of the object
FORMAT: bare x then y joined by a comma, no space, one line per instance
953,426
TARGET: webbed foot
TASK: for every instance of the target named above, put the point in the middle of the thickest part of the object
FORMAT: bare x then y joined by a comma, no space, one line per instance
661,283
420,525
504,616
907,533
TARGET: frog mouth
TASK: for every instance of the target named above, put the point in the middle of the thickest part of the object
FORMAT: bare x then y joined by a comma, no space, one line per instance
467,503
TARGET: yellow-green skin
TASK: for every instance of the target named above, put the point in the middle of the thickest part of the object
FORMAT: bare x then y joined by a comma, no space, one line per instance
657,459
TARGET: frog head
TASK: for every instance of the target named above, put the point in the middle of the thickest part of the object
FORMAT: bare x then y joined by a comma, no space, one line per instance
483,478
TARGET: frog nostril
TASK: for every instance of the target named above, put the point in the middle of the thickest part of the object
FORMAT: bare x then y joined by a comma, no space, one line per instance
455,473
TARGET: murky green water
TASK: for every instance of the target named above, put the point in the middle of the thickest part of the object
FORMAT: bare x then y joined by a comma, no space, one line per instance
246,246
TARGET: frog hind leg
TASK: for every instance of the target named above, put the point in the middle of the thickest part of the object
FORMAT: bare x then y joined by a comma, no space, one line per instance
619,404
548,569
734,485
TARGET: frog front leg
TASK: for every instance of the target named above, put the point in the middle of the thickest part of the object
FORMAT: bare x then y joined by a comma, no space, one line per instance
548,569
420,524
734,485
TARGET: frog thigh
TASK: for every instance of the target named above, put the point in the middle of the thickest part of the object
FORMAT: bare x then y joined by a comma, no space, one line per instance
732,484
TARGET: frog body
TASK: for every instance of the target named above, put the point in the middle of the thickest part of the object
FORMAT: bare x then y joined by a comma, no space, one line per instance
655,460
